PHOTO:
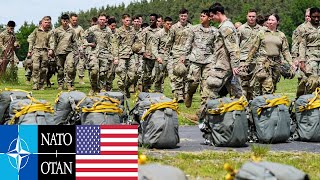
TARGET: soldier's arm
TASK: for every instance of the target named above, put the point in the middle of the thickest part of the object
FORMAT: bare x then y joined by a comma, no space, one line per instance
143,40
302,47
155,46
256,43
295,44
230,41
115,38
188,46
2,43
285,49
31,40
53,40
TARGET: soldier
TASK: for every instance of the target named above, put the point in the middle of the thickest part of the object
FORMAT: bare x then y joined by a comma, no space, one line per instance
101,59
247,33
136,48
148,35
8,44
309,50
112,24
231,42
78,54
203,44
180,31
62,44
296,39
161,49
160,21
38,51
94,21
123,54
237,25
271,44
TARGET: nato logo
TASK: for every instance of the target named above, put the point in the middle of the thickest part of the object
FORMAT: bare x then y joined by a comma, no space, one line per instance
18,152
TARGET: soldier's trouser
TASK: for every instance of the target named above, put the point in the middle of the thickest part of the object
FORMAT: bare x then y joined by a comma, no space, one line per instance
28,68
148,65
139,67
246,89
302,84
177,83
265,79
80,67
39,66
66,69
198,74
161,72
312,73
126,70
99,66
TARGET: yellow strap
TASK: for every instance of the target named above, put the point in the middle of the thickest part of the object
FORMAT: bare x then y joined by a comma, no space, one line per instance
106,98
172,105
104,107
32,107
57,97
238,105
313,103
274,102
9,89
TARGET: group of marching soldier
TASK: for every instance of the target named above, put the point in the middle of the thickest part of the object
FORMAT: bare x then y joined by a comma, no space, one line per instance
248,60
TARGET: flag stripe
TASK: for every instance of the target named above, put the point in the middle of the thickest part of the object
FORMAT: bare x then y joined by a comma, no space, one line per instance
119,127
107,174
119,140
106,170
119,148
119,144
118,152
104,165
119,135
107,178
111,157
119,131
111,161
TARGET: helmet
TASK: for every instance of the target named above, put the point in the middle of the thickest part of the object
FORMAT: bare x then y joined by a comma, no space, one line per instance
136,47
286,71
180,70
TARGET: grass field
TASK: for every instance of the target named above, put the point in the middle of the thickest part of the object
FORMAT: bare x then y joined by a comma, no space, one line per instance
200,165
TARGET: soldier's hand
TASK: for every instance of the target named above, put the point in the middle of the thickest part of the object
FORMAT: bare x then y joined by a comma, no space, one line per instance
159,60
50,52
182,59
146,55
235,71
29,54
115,61
302,66
92,44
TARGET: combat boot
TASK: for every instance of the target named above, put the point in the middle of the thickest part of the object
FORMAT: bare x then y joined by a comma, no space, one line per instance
180,99
60,88
188,100
70,87
140,88
131,90
81,82
35,87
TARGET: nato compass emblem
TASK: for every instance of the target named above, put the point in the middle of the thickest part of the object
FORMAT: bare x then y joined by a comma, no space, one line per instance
18,153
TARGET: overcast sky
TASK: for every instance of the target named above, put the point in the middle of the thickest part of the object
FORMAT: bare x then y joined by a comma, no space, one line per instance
34,10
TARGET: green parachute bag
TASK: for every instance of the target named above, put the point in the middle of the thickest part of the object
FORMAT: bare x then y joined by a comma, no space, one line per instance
225,122
308,117
157,116
271,117
6,96
269,171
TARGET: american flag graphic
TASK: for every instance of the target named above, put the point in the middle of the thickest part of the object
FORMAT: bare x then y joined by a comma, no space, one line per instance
107,152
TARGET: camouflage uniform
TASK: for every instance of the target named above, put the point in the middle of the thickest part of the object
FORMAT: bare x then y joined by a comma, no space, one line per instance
309,52
138,58
161,48
296,39
63,42
270,46
38,44
180,34
126,69
202,46
148,35
231,41
78,57
246,37
101,59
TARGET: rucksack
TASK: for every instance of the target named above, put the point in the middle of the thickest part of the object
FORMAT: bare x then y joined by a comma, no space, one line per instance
269,170
65,111
308,117
158,120
30,112
100,110
160,172
6,96
224,122
271,117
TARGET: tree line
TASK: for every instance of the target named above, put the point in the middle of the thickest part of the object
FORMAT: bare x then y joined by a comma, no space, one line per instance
291,13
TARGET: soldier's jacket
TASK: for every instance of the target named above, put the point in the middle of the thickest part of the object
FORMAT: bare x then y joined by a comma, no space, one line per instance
148,34
103,37
113,41
162,43
246,37
39,39
6,40
138,37
79,33
180,37
124,39
231,41
309,48
270,44
63,41
296,39
202,43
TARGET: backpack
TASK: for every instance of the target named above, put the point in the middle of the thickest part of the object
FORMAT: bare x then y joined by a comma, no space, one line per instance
124,105
158,120
30,112
160,172
308,117
100,110
6,97
271,117
65,109
269,170
224,122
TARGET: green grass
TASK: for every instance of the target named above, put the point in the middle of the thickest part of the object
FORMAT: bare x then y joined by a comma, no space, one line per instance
206,164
